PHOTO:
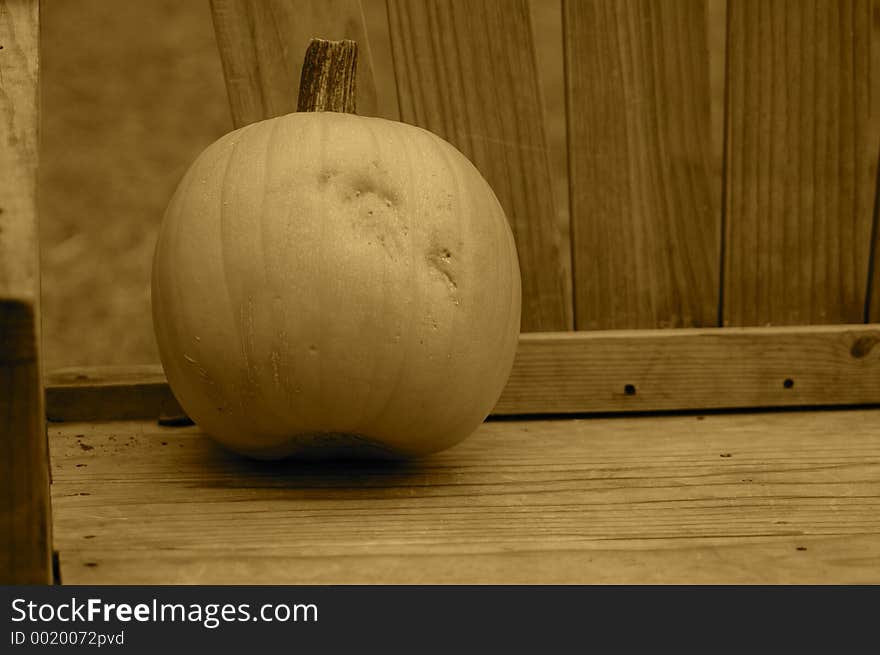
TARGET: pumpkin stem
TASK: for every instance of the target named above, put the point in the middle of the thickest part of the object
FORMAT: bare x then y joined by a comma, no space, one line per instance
328,81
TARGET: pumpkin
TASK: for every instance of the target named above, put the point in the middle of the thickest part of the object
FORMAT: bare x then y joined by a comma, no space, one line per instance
331,282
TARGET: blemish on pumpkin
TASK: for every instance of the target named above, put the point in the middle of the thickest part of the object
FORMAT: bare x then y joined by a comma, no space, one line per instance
313,350
440,261
449,280
325,176
379,226
368,183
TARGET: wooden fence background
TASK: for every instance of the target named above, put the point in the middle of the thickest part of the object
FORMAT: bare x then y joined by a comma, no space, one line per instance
722,160
762,215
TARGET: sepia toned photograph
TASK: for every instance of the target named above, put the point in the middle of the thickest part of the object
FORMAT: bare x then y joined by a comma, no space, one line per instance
438,292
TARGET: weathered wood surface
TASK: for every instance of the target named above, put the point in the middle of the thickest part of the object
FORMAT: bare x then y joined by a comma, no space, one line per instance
801,148
104,393
645,193
262,43
872,305
785,497
25,541
608,371
711,368
467,72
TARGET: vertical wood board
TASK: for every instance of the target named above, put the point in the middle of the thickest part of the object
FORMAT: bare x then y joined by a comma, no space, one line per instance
25,541
872,302
467,72
645,198
800,151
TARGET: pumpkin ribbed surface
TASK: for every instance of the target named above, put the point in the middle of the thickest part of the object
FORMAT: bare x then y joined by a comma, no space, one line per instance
330,278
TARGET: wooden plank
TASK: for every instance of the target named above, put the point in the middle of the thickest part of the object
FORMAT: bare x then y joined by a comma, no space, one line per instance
262,44
547,29
467,72
666,561
106,393
25,541
714,368
872,302
791,497
799,191
645,203
716,30
613,371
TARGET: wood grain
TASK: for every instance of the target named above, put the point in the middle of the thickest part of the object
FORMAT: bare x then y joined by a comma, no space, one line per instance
104,393
649,370
262,44
799,190
467,72
607,371
25,541
786,497
645,201
872,302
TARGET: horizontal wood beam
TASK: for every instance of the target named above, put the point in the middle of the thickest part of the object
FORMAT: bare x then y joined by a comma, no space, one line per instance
586,372
692,369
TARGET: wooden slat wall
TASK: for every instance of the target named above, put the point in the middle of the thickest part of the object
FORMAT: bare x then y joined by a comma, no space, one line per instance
645,201
646,189
262,43
800,152
466,71
25,542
